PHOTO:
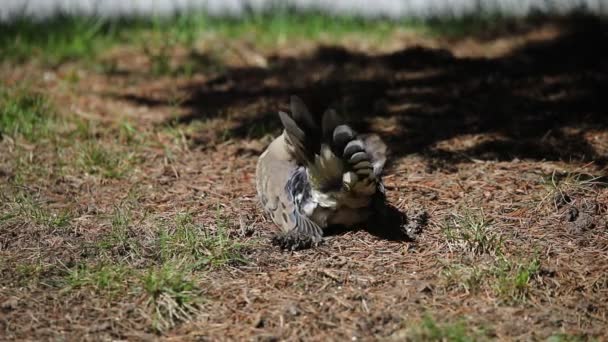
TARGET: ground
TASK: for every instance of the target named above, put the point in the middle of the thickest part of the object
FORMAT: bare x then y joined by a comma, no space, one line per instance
128,208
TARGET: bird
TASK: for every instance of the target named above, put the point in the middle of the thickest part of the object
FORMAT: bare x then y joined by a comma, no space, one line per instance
316,175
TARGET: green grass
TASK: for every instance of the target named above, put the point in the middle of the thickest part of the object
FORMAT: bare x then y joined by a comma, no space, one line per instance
562,188
27,274
121,239
464,277
282,26
513,279
165,273
472,231
25,112
479,25
510,279
101,279
202,246
431,330
127,133
168,293
66,38
561,337
50,145
167,279
56,40
171,295
24,207
96,159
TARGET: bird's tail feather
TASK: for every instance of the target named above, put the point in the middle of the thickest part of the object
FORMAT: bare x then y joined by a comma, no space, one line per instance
303,133
333,152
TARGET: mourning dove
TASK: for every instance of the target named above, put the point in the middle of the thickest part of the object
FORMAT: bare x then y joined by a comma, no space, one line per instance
312,177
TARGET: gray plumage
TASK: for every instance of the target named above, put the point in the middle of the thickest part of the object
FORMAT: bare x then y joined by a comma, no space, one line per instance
311,176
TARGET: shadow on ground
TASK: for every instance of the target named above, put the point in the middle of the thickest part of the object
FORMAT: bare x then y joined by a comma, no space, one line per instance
536,102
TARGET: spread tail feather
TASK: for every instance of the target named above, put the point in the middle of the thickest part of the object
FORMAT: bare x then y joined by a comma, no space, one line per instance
334,154
301,130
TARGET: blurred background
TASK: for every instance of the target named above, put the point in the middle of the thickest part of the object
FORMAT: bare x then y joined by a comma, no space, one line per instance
380,8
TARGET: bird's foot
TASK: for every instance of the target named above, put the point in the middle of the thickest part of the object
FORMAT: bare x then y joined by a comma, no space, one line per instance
295,240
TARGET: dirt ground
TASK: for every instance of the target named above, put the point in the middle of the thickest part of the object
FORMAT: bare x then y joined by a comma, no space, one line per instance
502,138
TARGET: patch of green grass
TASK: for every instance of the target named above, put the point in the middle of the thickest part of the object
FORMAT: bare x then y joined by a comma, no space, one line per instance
165,294
160,59
8,208
464,277
127,133
103,279
26,207
65,37
96,159
25,112
479,25
472,231
185,240
171,295
201,245
121,238
563,188
430,330
27,274
510,279
57,40
568,338
281,26
83,130
513,279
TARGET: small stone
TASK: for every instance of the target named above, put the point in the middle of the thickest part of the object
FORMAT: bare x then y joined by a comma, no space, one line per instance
10,304
292,310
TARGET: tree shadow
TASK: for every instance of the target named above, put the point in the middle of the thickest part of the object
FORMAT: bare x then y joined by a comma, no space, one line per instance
389,224
536,102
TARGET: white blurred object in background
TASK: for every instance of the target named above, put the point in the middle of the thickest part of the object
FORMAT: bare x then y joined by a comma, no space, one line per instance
10,9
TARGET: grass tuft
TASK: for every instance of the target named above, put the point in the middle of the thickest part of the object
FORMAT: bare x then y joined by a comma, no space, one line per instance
96,159
513,284
467,278
67,38
564,188
568,338
30,209
472,232
431,330
121,239
26,274
56,40
510,280
171,296
105,279
25,113
202,246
